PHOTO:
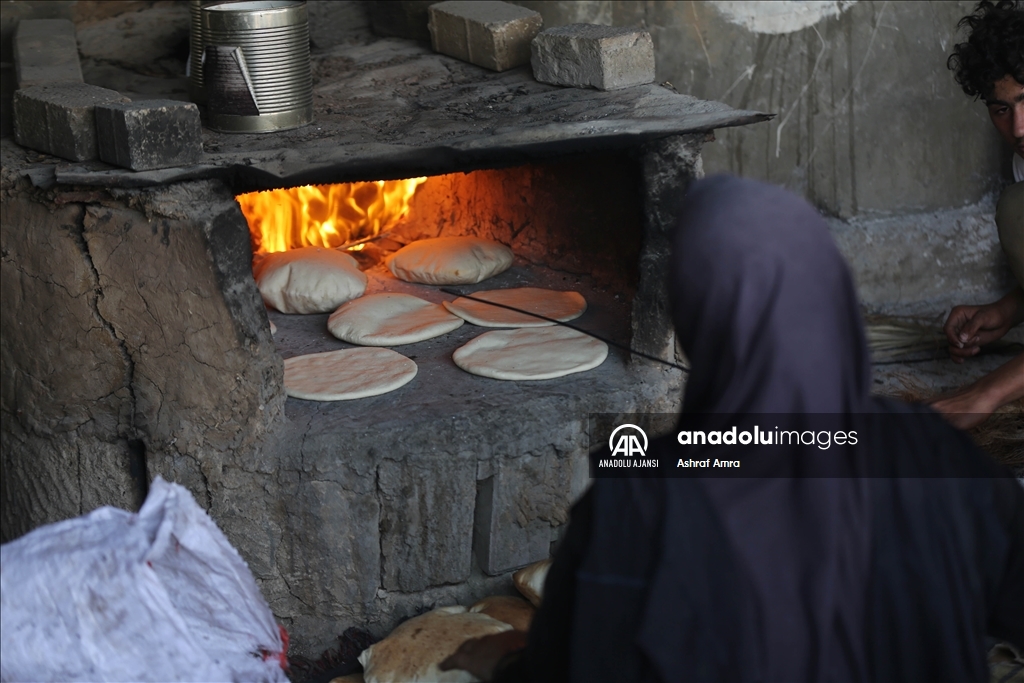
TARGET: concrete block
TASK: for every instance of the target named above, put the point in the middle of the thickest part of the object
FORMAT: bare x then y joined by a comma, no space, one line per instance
426,531
45,51
590,55
149,134
494,35
401,18
60,119
331,537
519,511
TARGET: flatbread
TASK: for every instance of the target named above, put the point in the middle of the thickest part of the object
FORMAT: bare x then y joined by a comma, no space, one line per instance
530,581
450,261
550,303
530,353
346,374
412,652
390,320
515,612
309,280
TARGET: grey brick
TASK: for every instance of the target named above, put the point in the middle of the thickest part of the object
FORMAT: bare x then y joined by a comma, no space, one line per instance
149,134
603,57
494,35
519,511
60,119
426,526
45,51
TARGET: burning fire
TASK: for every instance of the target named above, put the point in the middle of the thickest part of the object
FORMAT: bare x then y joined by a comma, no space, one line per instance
325,215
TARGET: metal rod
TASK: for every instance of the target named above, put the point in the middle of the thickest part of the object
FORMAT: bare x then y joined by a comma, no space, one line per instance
598,337
355,243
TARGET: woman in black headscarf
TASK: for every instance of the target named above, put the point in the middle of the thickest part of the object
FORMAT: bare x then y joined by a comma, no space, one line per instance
891,560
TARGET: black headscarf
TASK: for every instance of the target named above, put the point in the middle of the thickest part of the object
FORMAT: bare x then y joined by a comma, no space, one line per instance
766,311
764,305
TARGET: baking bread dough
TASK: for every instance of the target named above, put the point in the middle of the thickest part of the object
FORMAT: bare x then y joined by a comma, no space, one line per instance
550,303
346,374
412,652
530,353
450,260
390,320
530,580
515,612
309,280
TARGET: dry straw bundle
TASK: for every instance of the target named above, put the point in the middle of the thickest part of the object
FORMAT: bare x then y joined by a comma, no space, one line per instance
901,340
894,340
1001,435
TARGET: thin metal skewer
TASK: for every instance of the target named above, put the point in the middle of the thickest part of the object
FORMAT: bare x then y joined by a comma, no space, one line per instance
609,342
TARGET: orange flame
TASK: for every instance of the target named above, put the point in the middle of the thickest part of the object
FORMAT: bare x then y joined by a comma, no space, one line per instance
325,215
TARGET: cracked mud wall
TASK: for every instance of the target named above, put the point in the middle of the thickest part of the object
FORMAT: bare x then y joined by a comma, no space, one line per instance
65,398
132,346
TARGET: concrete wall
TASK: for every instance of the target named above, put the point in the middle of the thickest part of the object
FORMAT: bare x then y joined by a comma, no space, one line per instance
870,126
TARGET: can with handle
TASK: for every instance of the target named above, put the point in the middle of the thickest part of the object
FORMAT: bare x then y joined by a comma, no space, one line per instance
255,67
195,47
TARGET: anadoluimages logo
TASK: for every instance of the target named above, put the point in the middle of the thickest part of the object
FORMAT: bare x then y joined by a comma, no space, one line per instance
628,443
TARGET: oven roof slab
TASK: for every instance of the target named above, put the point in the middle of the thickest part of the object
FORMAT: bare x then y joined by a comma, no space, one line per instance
392,108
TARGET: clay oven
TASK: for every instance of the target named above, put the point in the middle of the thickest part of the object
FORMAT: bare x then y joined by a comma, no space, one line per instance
135,343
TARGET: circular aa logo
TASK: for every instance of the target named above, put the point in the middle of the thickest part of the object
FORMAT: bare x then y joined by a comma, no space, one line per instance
628,442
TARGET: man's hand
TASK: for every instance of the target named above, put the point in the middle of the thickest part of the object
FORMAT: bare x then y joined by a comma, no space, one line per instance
479,656
968,328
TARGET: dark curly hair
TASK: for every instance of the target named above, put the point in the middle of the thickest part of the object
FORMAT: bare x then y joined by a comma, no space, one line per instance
993,49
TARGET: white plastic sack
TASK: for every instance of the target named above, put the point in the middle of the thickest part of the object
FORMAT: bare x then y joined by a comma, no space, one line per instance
155,596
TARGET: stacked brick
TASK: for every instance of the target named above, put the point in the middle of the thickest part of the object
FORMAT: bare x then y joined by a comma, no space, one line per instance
588,55
150,134
500,36
45,51
60,119
57,113
494,35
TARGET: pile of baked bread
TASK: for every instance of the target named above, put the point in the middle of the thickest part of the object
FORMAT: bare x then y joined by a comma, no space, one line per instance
413,652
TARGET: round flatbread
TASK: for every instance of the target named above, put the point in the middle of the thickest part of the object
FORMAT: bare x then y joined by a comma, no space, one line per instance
346,374
515,612
309,280
413,652
390,320
550,303
450,261
530,353
530,580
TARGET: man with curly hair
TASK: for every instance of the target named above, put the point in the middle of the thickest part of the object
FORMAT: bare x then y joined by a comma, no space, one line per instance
990,65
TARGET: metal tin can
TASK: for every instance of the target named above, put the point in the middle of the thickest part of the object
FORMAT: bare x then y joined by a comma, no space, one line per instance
255,70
